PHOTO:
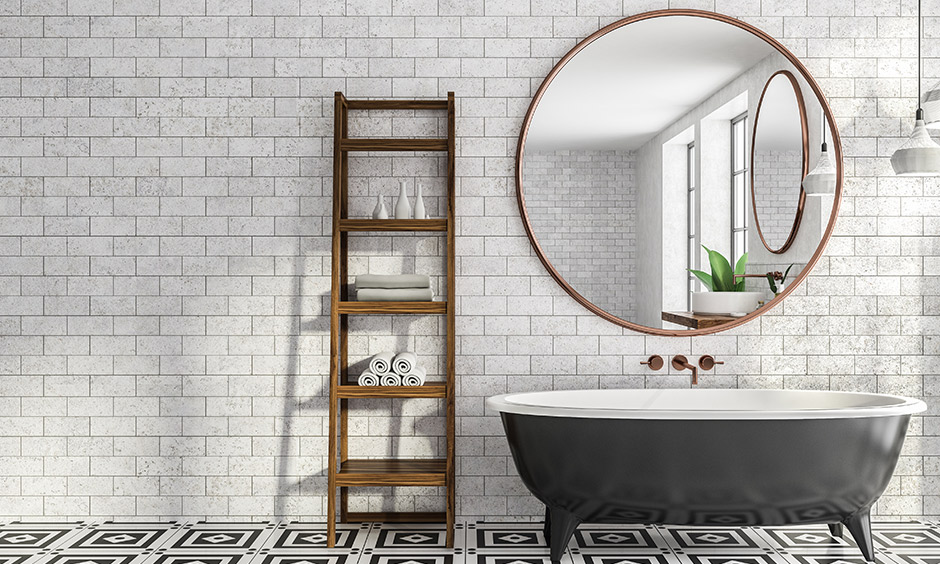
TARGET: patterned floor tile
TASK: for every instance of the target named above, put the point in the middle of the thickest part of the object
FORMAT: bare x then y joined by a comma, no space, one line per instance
807,537
835,559
310,538
729,540
301,559
623,538
631,558
442,557
515,558
906,537
507,537
420,537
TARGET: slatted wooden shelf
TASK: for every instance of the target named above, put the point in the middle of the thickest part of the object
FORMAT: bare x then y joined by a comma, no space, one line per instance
374,144
396,104
392,472
431,390
393,225
402,517
391,308
344,471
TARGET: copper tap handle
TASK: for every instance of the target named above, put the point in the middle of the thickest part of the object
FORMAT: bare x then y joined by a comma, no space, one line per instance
680,362
707,362
655,362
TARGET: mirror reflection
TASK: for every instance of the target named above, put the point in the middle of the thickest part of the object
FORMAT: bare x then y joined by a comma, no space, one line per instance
637,157
779,161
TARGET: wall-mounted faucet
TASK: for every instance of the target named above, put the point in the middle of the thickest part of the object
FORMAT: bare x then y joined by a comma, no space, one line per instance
707,362
655,362
776,274
679,362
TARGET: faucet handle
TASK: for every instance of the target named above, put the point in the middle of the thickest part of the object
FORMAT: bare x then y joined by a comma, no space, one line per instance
707,362
655,362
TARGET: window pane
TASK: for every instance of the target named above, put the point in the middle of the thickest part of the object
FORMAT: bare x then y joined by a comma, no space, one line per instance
739,201
691,213
740,242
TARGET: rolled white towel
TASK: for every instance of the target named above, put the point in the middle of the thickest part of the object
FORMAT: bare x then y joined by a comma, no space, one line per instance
381,363
391,379
416,377
404,362
368,379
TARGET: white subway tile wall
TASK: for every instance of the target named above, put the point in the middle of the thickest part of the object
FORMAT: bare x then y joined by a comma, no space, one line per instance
164,247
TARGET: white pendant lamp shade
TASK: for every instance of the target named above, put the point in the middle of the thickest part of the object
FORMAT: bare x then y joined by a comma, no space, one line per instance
919,155
822,179
931,106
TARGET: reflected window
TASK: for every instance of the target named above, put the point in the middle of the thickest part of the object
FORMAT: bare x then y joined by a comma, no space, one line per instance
692,251
739,215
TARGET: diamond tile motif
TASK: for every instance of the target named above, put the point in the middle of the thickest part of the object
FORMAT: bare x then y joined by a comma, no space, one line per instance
479,543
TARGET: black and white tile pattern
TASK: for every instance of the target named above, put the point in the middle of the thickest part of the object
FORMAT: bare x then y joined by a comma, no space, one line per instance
290,542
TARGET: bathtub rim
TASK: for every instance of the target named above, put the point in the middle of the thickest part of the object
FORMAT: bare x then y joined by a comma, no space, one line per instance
901,406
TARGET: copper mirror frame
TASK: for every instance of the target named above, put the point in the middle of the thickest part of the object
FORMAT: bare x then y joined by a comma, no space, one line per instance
805,166
837,152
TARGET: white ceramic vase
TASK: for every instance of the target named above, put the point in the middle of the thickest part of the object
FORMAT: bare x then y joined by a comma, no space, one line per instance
402,207
380,211
725,303
420,212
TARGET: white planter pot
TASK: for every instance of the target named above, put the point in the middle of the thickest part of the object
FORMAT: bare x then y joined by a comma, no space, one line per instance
725,303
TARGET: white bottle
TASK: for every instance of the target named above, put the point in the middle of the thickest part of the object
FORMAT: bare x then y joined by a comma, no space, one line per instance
380,211
402,208
420,212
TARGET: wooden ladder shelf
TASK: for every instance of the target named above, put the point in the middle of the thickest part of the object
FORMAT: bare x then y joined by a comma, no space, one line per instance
345,472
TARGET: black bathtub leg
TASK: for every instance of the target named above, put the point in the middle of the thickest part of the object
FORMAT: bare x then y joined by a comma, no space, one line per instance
836,530
859,525
547,530
562,526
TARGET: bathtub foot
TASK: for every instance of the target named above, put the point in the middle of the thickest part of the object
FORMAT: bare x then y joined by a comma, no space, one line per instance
561,526
859,525
547,529
836,530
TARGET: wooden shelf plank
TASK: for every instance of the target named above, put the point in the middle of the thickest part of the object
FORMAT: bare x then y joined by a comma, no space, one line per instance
396,104
392,144
392,472
431,390
389,308
388,517
695,321
393,225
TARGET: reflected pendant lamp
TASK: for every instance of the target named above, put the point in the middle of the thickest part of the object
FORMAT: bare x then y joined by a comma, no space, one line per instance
919,155
822,179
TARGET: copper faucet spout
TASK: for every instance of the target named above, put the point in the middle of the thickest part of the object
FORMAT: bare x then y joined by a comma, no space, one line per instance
680,362
777,275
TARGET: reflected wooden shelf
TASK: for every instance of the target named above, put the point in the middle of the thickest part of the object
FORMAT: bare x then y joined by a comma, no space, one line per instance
396,104
392,472
695,321
430,390
393,225
388,308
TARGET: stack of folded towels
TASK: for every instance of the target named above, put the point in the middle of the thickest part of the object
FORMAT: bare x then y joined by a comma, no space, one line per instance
387,369
393,288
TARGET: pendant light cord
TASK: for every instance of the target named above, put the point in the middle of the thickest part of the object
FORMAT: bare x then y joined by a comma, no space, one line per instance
919,63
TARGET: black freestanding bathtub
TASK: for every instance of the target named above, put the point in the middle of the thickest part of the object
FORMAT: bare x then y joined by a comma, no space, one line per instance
705,457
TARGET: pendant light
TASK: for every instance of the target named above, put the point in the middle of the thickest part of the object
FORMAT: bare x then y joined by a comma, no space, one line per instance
919,155
822,179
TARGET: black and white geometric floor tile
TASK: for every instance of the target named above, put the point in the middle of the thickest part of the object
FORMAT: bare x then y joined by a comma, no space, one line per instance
288,542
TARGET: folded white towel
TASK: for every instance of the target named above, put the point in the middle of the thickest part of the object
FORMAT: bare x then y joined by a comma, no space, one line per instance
393,281
381,363
416,377
404,362
368,379
391,379
394,294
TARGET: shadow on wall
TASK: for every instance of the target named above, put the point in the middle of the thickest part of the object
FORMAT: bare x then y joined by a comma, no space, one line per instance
290,484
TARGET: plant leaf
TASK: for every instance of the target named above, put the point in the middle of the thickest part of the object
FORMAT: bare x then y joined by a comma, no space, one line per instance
787,273
722,276
704,277
773,285
740,269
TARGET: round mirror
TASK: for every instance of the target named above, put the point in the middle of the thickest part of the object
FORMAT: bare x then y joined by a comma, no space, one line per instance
633,172
779,161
